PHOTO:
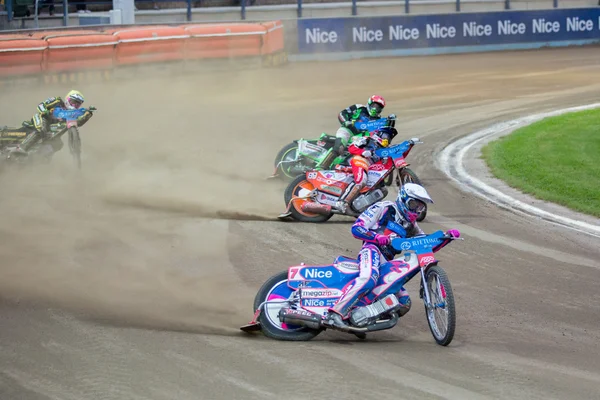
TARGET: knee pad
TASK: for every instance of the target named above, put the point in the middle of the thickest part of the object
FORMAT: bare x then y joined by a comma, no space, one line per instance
37,122
344,135
40,124
369,254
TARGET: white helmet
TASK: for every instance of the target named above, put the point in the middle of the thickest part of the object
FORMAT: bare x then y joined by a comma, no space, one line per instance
411,200
73,100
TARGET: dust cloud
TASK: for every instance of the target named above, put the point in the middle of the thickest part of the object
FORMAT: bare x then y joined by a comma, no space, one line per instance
139,235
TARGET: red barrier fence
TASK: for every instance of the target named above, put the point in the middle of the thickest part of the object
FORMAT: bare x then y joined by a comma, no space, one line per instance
106,48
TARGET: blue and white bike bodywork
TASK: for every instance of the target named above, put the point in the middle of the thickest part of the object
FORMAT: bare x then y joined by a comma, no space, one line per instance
291,305
364,124
68,115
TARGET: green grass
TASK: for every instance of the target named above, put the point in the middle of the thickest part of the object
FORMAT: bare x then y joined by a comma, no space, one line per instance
556,159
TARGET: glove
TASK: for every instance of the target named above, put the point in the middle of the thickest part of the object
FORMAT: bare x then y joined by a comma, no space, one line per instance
392,117
348,124
454,233
366,153
382,240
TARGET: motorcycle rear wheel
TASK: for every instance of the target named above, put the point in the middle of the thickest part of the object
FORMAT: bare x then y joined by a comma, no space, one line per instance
442,297
287,153
295,187
276,288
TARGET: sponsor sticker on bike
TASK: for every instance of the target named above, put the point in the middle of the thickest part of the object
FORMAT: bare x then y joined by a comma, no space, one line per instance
399,163
327,199
320,293
18,134
332,189
377,167
318,302
426,259
293,274
317,273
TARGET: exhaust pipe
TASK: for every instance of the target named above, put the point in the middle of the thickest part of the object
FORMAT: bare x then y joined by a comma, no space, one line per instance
300,317
316,208
314,321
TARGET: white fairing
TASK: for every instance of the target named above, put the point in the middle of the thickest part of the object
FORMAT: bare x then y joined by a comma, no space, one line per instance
310,149
333,176
325,198
413,262
418,192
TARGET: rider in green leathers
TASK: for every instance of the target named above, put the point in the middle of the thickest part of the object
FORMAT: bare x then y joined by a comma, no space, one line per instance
43,118
347,117
351,114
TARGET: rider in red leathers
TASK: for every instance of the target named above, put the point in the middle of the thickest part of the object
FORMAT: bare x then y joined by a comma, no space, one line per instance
372,228
363,151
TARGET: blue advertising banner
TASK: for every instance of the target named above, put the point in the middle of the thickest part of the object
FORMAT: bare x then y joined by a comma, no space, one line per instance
326,35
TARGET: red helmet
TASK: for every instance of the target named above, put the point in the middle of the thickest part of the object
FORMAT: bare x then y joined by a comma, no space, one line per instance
375,105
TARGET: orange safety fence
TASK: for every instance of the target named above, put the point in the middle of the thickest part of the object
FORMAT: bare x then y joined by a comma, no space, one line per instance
21,55
78,50
86,49
149,44
274,38
224,40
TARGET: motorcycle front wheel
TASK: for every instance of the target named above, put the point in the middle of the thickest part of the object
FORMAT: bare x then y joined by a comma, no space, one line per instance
75,145
441,313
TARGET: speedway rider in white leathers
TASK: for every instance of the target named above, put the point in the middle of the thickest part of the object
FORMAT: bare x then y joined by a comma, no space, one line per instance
371,228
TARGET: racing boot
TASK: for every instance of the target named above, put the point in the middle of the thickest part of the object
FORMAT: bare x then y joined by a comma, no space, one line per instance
334,320
22,148
404,300
344,203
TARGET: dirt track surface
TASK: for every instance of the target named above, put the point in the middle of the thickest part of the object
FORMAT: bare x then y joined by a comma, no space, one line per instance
130,281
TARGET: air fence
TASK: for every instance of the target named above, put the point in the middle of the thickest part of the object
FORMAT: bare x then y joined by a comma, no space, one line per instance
274,38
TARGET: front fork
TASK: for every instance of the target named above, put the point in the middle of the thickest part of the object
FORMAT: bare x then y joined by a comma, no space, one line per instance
425,295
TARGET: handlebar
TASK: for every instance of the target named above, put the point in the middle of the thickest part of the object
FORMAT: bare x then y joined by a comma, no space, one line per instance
394,235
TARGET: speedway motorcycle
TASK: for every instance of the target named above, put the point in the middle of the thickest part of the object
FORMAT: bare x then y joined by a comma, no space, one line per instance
292,304
67,123
312,197
302,155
